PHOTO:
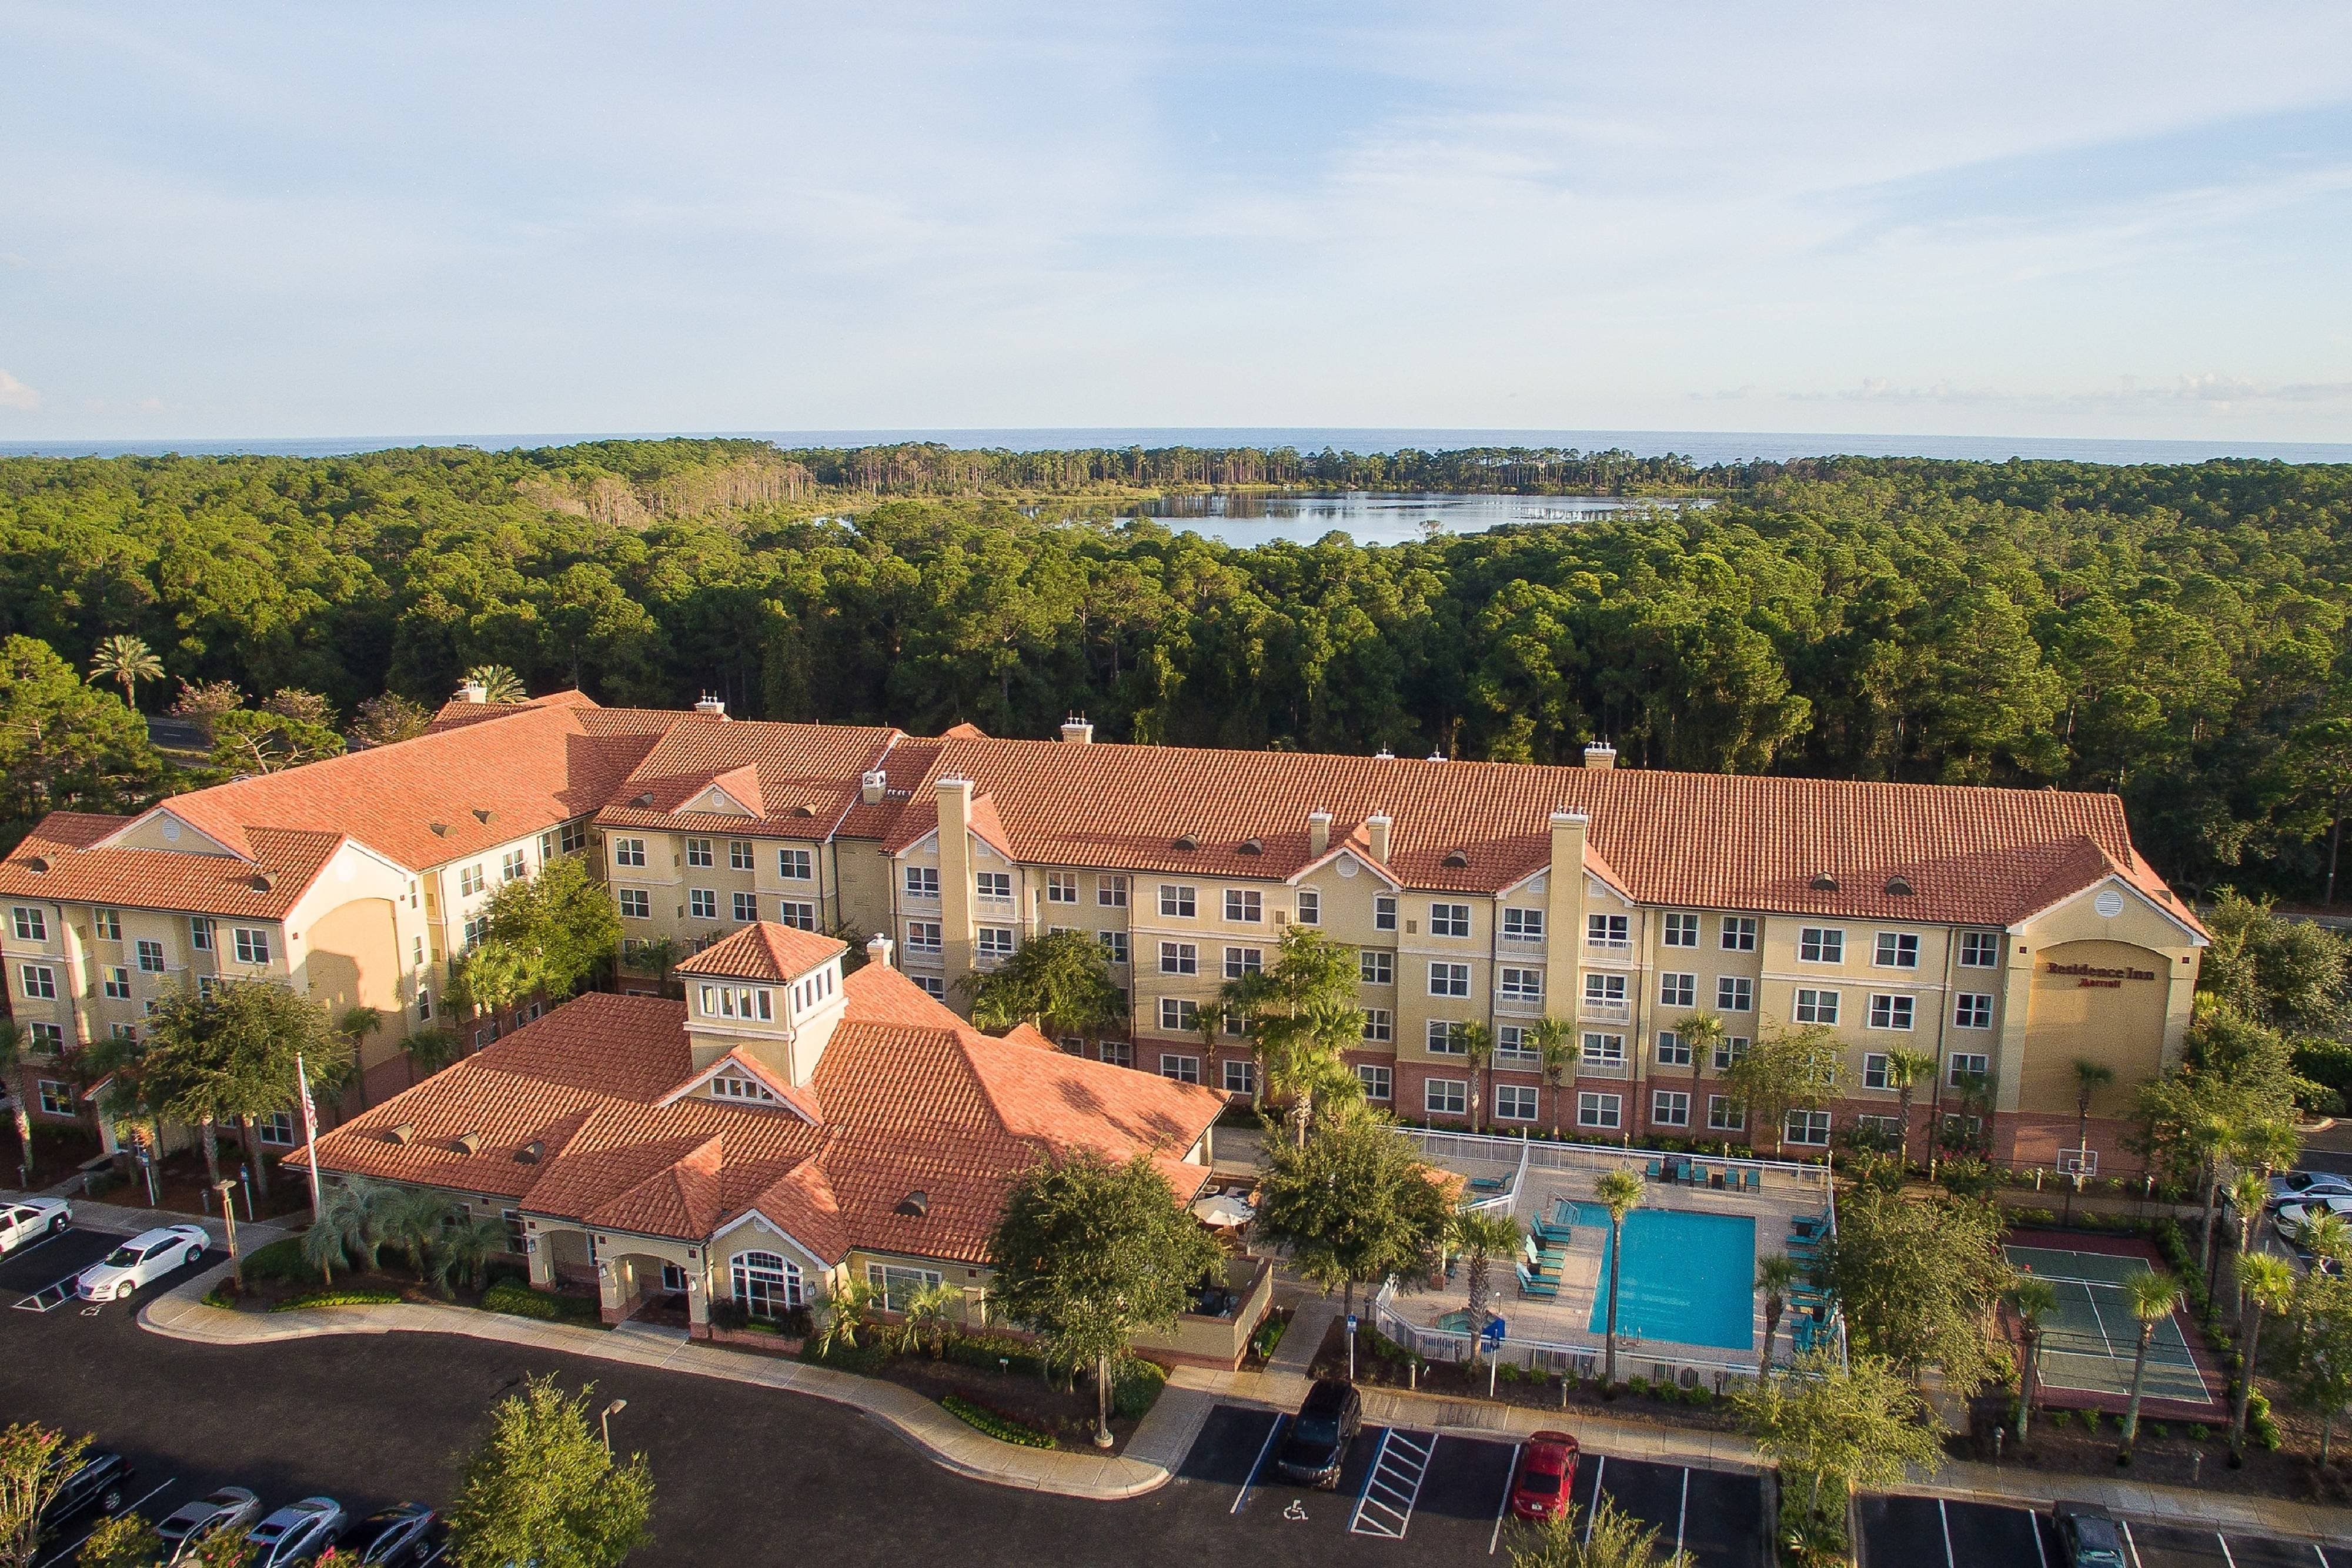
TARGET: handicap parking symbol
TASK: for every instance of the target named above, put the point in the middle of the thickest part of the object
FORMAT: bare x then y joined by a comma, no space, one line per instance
1297,1509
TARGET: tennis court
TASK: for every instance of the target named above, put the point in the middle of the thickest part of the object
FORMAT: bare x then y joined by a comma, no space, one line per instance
2089,1342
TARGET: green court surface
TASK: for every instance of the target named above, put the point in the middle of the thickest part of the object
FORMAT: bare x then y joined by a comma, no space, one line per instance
2089,1342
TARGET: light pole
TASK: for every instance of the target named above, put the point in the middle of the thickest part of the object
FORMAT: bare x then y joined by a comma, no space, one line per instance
604,1419
224,1187
1351,1347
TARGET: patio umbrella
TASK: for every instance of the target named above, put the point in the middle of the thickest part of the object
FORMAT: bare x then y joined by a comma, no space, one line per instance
1222,1210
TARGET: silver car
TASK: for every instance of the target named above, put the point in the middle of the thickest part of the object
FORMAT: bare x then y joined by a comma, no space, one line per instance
2294,1218
297,1532
190,1523
2292,1187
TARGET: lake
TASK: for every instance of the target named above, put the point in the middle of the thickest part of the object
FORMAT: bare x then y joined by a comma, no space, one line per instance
1369,518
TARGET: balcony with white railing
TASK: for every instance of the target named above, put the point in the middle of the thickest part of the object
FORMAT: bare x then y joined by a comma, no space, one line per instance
1518,1060
1605,1009
1507,1005
1526,947
1594,1065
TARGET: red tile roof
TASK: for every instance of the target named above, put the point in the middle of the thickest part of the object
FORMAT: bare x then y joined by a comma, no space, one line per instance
53,863
914,1099
763,951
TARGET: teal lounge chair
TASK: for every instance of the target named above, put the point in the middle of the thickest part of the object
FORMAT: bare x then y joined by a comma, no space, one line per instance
1536,1287
1655,1170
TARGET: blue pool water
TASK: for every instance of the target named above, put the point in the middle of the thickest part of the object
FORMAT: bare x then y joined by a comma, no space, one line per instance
1686,1276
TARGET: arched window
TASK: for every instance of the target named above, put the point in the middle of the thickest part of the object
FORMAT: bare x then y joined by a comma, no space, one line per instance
766,1284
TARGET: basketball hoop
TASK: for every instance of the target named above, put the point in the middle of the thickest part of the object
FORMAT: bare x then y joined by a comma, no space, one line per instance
2082,1161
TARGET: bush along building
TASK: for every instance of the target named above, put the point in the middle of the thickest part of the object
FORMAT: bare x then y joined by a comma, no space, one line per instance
2005,935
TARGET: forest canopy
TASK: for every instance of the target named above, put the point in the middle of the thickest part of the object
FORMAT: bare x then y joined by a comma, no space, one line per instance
2175,633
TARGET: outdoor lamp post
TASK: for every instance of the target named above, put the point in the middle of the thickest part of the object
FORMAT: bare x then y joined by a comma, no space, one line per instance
605,1420
228,1216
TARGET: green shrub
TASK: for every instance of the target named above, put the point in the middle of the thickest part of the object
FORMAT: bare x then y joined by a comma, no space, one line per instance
2261,1425
546,1306
1001,1427
1638,1387
1269,1334
1135,1387
280,1259
2159,1431
221,1295
339,1296
986,1351
2200,1434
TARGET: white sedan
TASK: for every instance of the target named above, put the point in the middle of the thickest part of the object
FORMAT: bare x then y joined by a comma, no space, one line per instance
150,1255
2293,1218
26,1219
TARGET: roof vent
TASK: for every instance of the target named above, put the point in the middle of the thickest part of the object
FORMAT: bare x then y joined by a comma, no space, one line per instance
466,1143
915,1205
647,798
1437,756
1076,730
531,1153
259,881
710,704
872,785
1899,887
1253,846
482,816
1456,859
1600,755
1824,882
1188,841
805,809
1384,755
400,1135
440,830
35,863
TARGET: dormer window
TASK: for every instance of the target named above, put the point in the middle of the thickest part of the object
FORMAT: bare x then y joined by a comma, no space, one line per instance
732,1085
753,1002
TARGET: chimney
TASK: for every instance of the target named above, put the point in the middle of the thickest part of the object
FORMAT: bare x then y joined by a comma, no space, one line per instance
1376,827
872,786
712,705
1318,832
878,950
473,692
1599,754
1077,729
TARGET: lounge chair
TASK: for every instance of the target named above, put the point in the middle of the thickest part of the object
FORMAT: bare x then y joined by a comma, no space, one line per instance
1486,1184
1753,1178
1808,1225
1654,1170
1534,1286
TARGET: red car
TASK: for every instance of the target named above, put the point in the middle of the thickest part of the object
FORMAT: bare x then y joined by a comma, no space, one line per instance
1546,1475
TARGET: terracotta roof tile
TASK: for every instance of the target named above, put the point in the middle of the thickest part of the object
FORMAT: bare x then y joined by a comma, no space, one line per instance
763,951
281,866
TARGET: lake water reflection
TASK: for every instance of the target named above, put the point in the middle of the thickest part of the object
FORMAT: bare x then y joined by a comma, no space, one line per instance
1369,518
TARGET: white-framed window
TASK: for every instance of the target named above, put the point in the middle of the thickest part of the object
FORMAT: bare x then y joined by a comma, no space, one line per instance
48,1039
117,983
200,933
122,1032
1061,887
922,882
151,956
1310,907
470,881
1979,949
1816,1007
1523,925
702,904
1604,990
1596,1110
1180,958
423,1005
1514,1103
1874,1074
1118,1053
1240,961
1379,1024
1445,1096
513,866
1735,994
1820,944
1601,1049
738,856
572,838
923,936
32,923
1179,1015
698,852
56,1098
1449,980
1674,1050
1682,931
1730,1050
1512,1049
37,982
933,986
1739,934
1376,968
740,1002
1385,912
1891,1011
1114,946
628,851
746,907
471,932
1449,920
417,953
1608,931
1522,985
252,945
634,904
997,885
1241,1077
1448,1038
1972,1010
1379,1082
799,914
1670,1107
1963,1065
1677,990
1885,1127
1110,892
1809,1128
1725,1115
209,987
278,1128
108,923
994,941
797,865
1182,1069
1897,950
896,1285
1178,901
1244,904
766,1284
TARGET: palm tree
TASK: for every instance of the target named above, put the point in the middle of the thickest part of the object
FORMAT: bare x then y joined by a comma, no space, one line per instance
2264,1284
1775,1274
2090,1077
349,1232
1555,1043
1482,1236
13,1051
1620,1192
466,1244
1905,1071
1477,1043
2152,1294
498,683
413,1219
841,1314
1701,1034
2248,1195
126,661
2328,1235
2033,1299
924,1322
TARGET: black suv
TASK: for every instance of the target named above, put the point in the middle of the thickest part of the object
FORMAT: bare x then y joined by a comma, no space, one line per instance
99,1480
1320,1433
2088,1536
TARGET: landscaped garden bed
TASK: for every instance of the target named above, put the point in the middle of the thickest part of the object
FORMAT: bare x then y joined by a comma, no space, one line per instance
1001,1378
277,1279
1383,1363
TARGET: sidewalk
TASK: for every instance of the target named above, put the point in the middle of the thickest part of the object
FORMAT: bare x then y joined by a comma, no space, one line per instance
90,1214
1155,1451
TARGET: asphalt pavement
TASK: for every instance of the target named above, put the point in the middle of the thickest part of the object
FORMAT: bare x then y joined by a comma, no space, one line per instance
1935,1532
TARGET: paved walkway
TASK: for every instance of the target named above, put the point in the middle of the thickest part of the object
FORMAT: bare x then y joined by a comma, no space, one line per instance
90,1214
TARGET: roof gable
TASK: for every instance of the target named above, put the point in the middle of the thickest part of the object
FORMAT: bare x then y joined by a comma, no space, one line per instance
764,951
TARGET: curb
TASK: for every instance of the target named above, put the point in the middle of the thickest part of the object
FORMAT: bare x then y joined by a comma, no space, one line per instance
180,1314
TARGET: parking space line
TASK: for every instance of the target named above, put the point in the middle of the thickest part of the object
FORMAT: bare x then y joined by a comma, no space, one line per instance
1682,1517
1599,1471
1398,1470
85,1534
1503,1503
2320,1555
2224,1540
1263,1450
48,1298
2041,1552
2130,1543
1944,1518
36,1246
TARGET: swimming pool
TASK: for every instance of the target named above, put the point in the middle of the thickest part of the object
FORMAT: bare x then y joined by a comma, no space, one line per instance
1689,1278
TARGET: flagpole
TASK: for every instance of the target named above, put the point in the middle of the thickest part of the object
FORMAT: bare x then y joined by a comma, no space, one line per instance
310,1135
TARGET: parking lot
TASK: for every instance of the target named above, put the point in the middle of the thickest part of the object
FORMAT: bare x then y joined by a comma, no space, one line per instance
1415,1498
1925,1532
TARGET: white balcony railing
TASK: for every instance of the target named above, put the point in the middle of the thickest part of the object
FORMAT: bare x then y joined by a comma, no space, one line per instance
1606,1012
1619,945
1519,1007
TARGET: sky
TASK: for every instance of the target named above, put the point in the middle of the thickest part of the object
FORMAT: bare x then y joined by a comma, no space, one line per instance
2120,220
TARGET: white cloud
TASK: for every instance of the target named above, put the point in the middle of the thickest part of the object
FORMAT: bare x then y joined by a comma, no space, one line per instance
17,395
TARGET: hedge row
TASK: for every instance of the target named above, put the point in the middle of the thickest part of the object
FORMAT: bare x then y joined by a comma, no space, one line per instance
1004,1428
358,1296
